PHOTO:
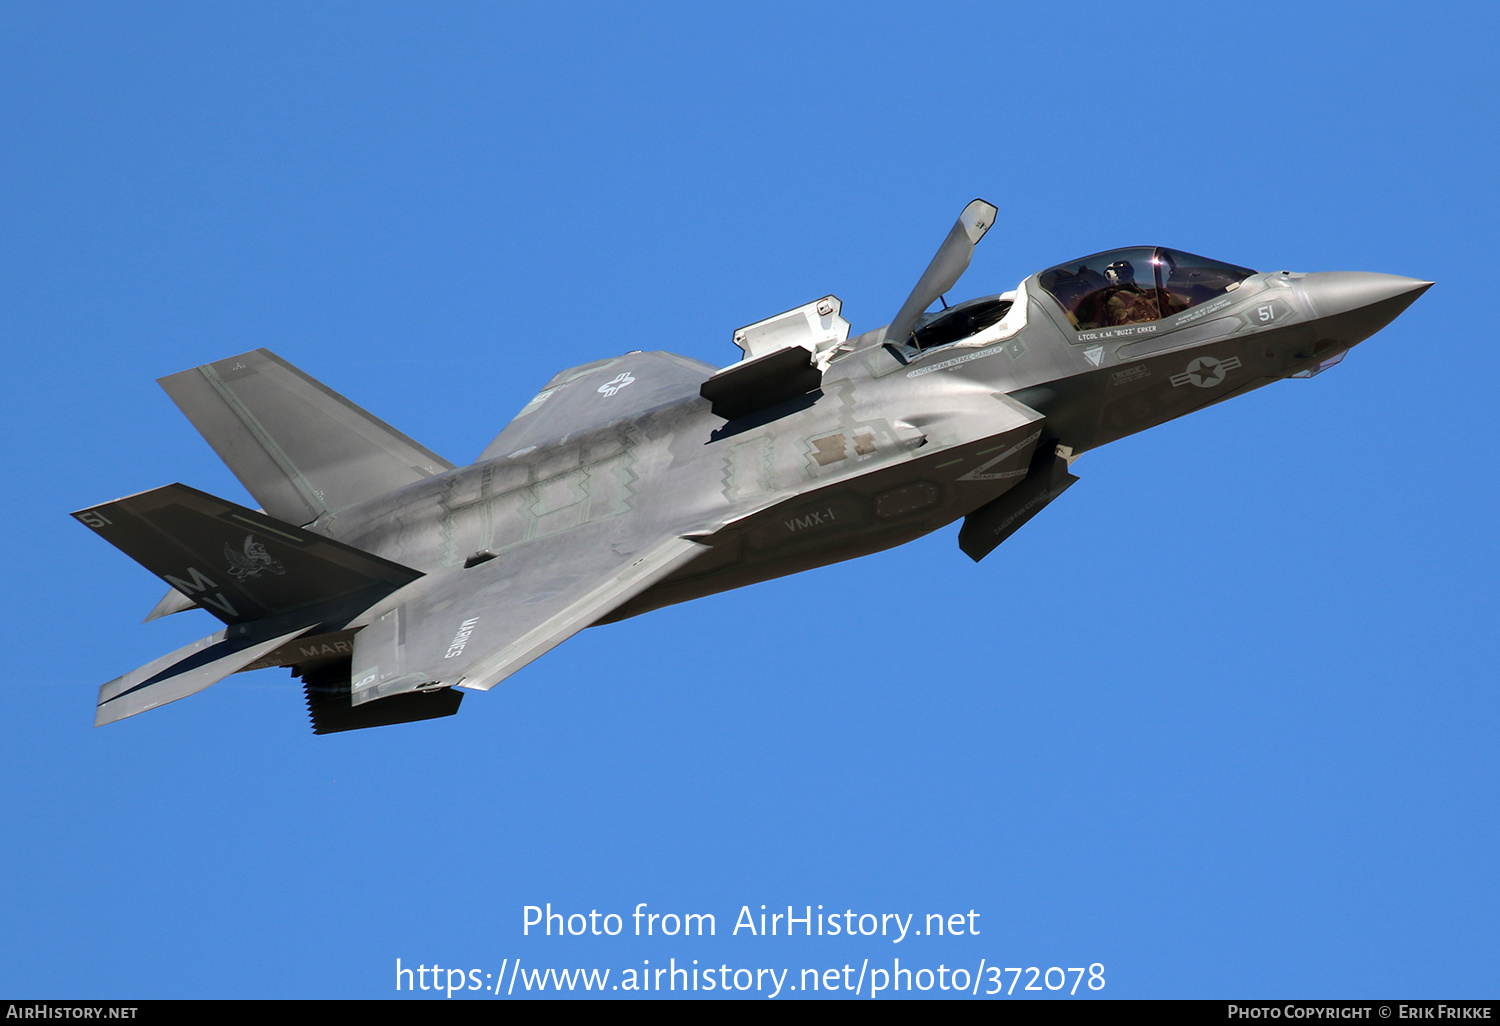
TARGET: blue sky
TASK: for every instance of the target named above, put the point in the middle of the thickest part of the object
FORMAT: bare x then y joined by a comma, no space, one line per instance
1221,720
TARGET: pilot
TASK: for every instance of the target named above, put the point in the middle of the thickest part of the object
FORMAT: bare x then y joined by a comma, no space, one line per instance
1074,292
1125,302
1121,272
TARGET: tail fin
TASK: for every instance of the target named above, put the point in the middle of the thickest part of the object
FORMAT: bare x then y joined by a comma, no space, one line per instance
238,564
298,446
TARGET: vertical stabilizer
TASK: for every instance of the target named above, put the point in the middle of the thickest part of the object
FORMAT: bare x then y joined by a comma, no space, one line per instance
298,446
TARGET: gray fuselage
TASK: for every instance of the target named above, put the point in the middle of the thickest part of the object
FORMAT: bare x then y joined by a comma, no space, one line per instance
897,442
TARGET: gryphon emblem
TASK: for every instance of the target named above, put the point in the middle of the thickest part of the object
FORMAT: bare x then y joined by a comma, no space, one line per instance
252,560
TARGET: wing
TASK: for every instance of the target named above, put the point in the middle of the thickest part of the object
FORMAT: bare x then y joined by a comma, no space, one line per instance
583,398
474,627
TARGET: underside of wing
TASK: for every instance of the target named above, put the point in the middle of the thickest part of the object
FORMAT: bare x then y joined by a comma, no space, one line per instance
476,626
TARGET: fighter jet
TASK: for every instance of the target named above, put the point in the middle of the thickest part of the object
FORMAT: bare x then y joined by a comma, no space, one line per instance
391,581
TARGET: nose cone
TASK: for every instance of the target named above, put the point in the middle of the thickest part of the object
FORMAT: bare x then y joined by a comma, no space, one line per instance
1353,305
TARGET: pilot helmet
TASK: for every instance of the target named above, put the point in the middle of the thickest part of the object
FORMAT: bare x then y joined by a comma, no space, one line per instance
1120,273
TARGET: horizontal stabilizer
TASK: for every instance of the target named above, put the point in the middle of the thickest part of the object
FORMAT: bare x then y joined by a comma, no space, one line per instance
185,672
298,446
238,564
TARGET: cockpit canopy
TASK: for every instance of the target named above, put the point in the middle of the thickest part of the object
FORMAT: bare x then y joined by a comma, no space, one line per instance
1136,285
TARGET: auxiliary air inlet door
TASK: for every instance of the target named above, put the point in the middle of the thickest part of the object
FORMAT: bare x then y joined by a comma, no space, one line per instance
817,327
